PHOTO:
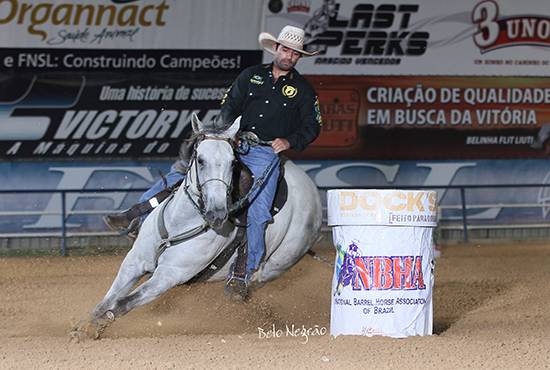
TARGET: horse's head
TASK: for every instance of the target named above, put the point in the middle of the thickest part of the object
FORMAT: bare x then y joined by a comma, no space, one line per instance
212,169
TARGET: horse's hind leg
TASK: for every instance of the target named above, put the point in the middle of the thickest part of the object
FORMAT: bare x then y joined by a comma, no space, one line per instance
293,246
279,262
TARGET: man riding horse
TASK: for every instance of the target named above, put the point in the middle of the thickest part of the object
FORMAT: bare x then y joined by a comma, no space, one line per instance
280,109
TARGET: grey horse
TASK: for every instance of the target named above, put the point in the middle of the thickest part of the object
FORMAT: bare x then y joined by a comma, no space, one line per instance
199,209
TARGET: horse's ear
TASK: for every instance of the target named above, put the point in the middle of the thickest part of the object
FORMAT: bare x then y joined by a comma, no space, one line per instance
196,123
233,129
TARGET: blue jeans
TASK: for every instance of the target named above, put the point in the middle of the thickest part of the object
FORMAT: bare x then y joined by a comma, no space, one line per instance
171,178
259,212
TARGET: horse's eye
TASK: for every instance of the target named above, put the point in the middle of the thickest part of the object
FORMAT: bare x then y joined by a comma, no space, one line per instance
200,161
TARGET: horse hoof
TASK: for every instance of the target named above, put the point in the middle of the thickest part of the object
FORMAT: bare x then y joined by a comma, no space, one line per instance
89,329
76,336
236,290
84,331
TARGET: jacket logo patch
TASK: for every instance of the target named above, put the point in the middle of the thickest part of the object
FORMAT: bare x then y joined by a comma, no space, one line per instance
257,79
289,91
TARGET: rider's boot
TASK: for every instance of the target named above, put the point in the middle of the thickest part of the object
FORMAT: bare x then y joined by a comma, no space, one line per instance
237,282
128,221
121,221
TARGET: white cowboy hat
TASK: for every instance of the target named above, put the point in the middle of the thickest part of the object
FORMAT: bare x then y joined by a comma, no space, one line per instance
290,36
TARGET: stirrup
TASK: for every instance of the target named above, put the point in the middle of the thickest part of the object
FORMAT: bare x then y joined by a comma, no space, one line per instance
236,288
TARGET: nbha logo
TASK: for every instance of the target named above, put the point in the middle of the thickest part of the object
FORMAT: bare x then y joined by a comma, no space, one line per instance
394,201
382,273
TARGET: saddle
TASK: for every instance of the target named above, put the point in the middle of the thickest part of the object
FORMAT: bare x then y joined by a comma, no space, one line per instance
281,195
243,177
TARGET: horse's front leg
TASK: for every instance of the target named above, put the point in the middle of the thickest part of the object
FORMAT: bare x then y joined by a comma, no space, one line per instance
131,270
163,278
176,265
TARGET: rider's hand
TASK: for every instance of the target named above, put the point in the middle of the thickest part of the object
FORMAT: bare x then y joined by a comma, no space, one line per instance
280,145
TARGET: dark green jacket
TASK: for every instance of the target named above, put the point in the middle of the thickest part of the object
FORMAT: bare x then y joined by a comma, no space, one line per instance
288,108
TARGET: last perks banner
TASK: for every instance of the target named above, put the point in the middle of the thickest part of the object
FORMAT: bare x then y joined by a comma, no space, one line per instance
428,37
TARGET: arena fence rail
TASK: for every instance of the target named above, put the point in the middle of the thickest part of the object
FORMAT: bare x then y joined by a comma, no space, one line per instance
461,223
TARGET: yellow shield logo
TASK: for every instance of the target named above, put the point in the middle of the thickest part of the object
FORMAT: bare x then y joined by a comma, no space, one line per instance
289,91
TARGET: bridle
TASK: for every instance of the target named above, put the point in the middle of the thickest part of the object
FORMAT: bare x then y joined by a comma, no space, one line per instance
196,200
193,162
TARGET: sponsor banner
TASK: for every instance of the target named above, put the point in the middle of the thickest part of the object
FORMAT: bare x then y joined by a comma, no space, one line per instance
382,207
432,117
483,37
340,113
383,280
83,115
130,24
132,114
486,206
116,78
105,60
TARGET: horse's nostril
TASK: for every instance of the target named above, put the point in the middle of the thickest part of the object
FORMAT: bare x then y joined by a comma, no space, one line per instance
215,214
215,218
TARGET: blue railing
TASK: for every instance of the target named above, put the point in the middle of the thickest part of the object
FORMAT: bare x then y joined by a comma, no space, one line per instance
462,188
64,213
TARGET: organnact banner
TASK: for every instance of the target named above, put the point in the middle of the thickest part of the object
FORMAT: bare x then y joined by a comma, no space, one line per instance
428,37
130,24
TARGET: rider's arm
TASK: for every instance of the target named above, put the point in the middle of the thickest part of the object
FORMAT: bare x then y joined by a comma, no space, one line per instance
232,104
309,122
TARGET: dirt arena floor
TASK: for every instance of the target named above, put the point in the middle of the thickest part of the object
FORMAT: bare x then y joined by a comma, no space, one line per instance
491,310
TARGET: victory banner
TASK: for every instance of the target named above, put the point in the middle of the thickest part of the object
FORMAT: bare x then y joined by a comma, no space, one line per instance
67,115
